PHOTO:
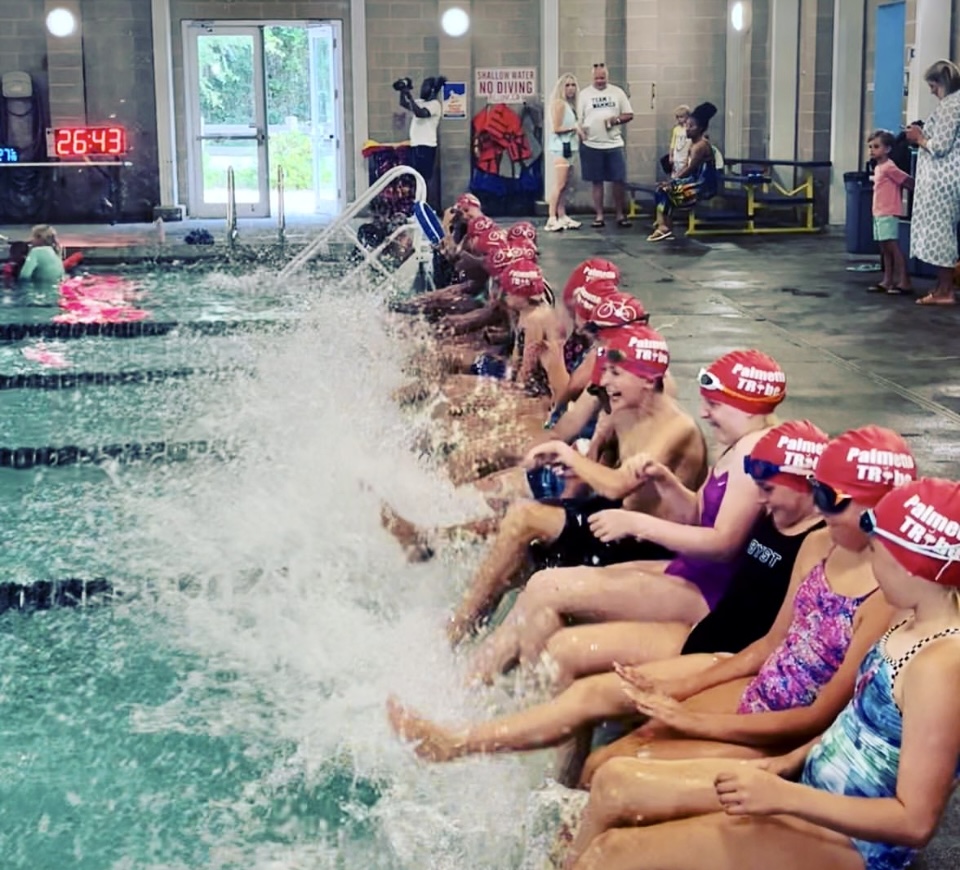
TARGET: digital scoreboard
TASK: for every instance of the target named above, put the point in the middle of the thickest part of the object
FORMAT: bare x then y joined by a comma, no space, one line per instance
67,142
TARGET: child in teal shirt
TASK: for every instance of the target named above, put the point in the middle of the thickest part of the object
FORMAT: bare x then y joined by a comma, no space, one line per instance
44,263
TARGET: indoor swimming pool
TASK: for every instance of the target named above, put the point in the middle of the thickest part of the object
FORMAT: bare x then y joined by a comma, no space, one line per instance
225,709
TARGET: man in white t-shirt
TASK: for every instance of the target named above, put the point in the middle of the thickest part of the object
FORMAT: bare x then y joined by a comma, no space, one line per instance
427,112
603,109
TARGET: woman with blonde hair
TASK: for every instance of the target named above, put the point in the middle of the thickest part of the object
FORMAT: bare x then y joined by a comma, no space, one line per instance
564,142
936,201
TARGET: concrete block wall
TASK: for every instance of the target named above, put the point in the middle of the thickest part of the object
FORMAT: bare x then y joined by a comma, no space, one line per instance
815,84
118,66
402,40
102,75
692,43
661,52
756,133
505,33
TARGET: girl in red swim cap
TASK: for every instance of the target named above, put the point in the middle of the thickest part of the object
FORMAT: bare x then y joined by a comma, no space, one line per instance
869,792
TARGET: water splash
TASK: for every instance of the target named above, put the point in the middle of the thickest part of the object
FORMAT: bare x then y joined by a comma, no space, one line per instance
282,615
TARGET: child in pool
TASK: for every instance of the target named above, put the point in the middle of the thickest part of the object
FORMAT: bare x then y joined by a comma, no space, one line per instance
44,263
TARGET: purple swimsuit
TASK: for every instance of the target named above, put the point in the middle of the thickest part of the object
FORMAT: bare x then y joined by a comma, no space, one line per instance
711,578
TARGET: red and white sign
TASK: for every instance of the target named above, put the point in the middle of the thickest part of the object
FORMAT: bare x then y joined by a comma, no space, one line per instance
507,84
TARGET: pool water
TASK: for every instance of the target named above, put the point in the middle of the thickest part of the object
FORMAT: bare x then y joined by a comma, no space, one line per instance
176,292
227,711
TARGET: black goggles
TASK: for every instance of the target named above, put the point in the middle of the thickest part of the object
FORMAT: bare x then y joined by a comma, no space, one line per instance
827,499
762,469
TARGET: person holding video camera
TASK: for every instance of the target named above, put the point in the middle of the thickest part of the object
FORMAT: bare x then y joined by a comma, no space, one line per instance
427,112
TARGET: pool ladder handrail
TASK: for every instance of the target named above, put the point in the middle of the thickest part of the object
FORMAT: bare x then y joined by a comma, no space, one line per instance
422,255
232,231
342,222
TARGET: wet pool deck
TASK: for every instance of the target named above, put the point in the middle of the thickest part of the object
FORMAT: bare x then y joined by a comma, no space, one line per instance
851,357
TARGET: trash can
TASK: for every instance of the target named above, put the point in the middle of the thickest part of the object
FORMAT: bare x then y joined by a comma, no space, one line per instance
859,227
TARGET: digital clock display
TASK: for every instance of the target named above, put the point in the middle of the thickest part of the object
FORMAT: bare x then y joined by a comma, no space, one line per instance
9,155
88,141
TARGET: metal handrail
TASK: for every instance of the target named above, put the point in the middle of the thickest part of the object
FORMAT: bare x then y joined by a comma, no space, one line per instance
281,206
232,231
350,212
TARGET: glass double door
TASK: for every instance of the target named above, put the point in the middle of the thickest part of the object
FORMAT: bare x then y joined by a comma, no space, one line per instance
261,97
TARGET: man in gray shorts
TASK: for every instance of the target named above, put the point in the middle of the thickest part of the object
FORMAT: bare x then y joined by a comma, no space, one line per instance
603,109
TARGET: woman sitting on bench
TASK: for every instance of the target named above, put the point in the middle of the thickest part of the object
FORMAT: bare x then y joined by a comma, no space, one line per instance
696,181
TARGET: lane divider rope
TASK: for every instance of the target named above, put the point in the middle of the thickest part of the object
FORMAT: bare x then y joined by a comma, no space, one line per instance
72,380
44,594
25,458
137,329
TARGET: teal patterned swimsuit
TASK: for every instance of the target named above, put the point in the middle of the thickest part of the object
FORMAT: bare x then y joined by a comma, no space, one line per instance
859,754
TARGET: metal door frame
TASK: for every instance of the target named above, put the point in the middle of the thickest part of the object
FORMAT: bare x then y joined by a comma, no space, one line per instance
192,29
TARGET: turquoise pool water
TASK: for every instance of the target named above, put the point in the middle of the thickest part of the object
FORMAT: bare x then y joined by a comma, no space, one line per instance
228,710
176,292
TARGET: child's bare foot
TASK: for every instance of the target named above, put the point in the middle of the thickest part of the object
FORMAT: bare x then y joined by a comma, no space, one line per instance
430,741
409,536
459,628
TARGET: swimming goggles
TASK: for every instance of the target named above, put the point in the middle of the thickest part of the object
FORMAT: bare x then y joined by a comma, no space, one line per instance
761,469
946,553
827,499
711,383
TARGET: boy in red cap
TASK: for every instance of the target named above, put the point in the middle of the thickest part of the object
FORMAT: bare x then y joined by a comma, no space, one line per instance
704,527
643,421
873,787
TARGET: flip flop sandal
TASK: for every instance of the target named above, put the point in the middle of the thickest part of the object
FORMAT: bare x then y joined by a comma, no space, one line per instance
931,299
878,288
626,223
900,291
598,224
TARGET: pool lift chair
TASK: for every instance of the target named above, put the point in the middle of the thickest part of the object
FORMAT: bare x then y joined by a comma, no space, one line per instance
415,273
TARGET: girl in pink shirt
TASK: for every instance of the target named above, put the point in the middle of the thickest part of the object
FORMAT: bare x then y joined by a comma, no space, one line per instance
889,182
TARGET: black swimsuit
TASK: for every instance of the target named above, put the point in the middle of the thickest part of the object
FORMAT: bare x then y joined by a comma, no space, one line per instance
748,609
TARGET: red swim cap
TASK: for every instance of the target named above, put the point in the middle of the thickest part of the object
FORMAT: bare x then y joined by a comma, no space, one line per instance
489,240
498,258
596,269
795,447
635,348
467,201
479,225
522,230
747,380
866,464
919,523
616,309
522,278
586,298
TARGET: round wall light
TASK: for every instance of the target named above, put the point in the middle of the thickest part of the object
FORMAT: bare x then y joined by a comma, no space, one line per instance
740,16
61,22
455,21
